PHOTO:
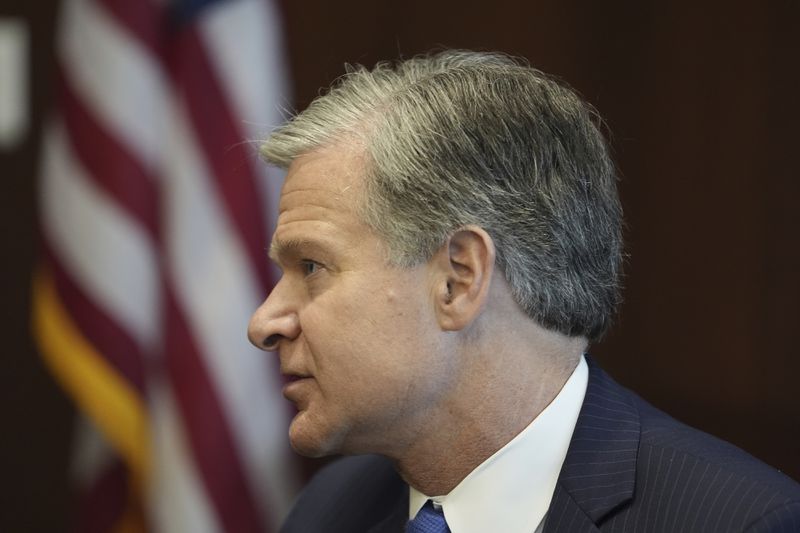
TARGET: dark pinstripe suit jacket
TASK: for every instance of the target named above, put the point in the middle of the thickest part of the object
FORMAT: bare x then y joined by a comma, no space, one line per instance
629,468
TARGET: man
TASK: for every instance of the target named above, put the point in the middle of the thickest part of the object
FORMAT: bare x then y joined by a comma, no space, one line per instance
449,236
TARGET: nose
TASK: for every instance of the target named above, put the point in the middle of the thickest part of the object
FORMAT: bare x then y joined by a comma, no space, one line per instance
274,321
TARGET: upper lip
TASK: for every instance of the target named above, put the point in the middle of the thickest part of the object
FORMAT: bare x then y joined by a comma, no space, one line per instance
292,375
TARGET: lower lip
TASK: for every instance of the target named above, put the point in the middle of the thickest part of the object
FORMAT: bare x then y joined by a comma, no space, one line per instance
290,389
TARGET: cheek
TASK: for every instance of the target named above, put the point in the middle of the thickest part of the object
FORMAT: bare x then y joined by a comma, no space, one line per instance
363,336
354,352
337,334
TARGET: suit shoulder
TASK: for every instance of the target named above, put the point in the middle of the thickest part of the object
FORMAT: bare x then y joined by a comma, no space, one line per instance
350,494
633,467
664,435
705,480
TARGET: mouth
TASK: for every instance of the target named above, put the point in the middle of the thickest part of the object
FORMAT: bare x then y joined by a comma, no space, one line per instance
292,385
290,377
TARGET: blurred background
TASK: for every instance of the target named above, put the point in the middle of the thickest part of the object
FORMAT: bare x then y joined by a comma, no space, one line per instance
702,103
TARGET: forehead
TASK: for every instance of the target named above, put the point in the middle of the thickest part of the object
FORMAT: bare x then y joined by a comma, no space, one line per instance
320,197
327,175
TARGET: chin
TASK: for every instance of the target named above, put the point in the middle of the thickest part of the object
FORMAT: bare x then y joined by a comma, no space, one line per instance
312,440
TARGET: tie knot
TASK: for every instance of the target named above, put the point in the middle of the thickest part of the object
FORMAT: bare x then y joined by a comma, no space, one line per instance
428,520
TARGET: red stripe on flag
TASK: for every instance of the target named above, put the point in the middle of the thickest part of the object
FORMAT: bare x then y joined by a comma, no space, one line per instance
143,19
215,452
103,333
102,505
222,144
109,163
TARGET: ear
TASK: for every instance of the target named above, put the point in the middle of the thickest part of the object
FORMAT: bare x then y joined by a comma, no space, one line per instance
463,269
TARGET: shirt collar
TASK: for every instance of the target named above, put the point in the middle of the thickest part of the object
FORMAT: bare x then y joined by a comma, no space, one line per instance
511,490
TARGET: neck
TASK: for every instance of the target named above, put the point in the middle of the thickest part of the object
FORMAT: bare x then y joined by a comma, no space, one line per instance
511,389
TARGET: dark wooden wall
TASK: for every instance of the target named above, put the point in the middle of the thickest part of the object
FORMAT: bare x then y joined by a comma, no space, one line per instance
702,99
35,415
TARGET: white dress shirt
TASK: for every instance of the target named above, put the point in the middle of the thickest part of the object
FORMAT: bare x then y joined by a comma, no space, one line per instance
511,490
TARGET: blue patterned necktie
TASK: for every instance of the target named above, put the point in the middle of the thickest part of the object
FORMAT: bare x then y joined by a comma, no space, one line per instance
428,520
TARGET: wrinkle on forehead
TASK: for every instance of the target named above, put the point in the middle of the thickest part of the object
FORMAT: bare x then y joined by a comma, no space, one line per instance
318,206
321,197
325,178
330,177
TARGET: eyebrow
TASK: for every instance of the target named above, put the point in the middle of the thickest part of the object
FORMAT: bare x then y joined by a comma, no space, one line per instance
286,248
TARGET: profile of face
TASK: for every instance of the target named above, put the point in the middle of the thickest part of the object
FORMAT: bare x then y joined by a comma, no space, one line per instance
357,337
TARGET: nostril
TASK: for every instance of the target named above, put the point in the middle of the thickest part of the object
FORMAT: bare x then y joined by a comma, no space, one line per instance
271,342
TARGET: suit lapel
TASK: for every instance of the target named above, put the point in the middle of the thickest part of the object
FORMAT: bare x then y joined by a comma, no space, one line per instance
566,516
599,471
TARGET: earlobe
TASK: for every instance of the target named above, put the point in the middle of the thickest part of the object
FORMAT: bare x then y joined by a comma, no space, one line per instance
464,268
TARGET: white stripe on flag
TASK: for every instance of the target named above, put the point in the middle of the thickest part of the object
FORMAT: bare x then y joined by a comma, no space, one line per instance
244,46
91,453
243,43
107,253
216,289
177,500
116,77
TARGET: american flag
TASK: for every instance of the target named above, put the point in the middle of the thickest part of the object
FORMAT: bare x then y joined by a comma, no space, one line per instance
154,223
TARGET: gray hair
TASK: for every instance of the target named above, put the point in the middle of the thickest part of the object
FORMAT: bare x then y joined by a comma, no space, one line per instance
461,137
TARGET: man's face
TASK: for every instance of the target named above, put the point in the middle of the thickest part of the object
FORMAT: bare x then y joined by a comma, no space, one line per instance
358,337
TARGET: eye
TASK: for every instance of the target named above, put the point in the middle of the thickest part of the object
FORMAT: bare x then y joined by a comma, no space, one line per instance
309,267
